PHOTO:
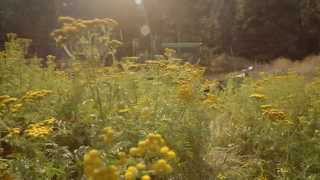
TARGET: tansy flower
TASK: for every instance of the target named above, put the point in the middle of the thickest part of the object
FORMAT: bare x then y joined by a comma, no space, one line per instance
4,97
16,107
92,162
172,67
266,107
146,177
136,152
164,150
14,132
131,173
185,92
103,173
210,100
8,101
125,110
162,167
31,96
123,158
108,135
258,96
170,155
50,121
141,166
274,114
39,131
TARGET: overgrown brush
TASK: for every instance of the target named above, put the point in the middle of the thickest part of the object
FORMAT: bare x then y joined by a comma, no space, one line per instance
52,117
51,121
267,129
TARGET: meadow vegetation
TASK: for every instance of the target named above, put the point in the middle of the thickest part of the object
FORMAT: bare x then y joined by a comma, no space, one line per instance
161,119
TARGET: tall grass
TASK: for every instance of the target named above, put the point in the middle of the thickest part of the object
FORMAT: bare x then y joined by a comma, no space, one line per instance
260,128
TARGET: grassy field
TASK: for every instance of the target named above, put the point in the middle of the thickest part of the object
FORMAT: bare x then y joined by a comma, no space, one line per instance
155,120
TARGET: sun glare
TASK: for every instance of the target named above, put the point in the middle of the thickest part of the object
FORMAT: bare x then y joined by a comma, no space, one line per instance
138,2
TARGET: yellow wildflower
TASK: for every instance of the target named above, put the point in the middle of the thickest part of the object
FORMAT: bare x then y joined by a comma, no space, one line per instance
266,107
185,92
50,121
123,158
7,101
136,152
16,107
108,135
141,166
258,96
92,162
162,167
164,150
262,178
131,173
210,100
14,132
103,173
4,97
146,177
31,96
125,110
129,176
39,131
274,114
170,155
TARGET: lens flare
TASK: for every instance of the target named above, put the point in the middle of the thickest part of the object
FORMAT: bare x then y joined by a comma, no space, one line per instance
145,30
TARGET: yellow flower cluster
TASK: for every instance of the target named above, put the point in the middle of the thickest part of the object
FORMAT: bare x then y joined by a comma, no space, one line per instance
146,177
210,100
208,86
172,67
41,129
258,96
123,158
193,72
274,114
108,135
185,91
95,169
16,107
7,100
72,27
266,106
153,146
14,132
32,96
162,167
131,173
